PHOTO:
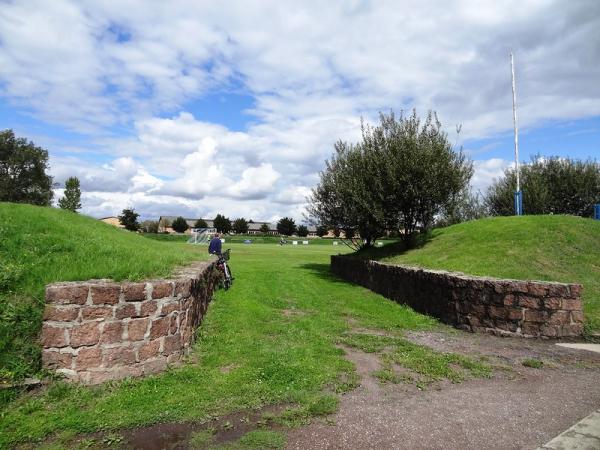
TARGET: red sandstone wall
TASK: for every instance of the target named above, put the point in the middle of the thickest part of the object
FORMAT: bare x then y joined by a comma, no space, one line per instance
100,330
525,308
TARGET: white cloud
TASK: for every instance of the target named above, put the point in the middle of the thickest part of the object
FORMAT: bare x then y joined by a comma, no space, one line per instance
111,68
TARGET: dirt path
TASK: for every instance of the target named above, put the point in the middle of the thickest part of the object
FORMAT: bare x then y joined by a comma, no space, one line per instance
518,408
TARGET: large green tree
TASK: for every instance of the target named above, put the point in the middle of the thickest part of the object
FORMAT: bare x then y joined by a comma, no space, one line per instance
129,219
200,223
550,185
72,197
179,225
222,223
23,166
402,174
240,226
302,231
286,226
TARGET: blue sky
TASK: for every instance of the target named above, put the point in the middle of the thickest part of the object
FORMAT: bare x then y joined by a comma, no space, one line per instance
191,108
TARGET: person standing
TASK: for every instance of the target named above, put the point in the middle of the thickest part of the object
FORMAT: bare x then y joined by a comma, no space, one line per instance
214,247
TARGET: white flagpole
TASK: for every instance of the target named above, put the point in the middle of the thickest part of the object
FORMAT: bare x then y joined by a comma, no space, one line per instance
516,126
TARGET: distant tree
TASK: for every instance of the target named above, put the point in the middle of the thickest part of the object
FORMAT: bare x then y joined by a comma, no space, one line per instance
72,197
466,206
180,225
149,226
402,175
264,228
128,219
286,226
23,166
200,223
321,230
163,224
222,224
550,185
302,231
336,232
240,226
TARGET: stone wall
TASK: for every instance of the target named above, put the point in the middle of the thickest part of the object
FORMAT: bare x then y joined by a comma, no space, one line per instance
526,308
101,330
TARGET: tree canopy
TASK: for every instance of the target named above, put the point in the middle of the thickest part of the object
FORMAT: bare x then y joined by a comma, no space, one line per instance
222,224
128,219
240,226
200,223
180,225
302,230
264,228
286,226
72,197
550,185
401,175
23,166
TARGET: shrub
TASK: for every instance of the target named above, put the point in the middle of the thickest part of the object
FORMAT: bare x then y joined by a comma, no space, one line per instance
179,225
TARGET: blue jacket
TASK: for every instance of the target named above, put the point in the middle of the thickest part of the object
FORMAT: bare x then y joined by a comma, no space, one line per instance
215,246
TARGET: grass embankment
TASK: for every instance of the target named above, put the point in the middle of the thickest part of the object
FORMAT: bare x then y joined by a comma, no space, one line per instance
43,245
271,339
549,248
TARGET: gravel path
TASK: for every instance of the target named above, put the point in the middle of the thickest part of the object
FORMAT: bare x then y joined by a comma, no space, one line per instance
519,408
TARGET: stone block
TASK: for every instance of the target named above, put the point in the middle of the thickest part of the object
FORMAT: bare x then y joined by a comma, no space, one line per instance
552,303
162,289
169,306
52,359
148,308
509,300
137,328
118,356
529,302
575,290
574,329
53,336
577,316
160,327
559,318
134,292
88,357
558,290
154,365
514,314
550,330
85,334
126,311
174,324
497,312
572,304
535,316
96,312
105,294
531,329
183,288
112,332
70,294
149,350
60,313
537,289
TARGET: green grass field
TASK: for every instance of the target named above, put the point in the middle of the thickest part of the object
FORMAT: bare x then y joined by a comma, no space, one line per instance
552,248
270,339
42,245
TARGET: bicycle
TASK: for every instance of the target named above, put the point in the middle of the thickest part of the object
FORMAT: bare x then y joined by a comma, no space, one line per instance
223,267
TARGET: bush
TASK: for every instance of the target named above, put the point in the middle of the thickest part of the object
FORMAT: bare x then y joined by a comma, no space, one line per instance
128,219
552,185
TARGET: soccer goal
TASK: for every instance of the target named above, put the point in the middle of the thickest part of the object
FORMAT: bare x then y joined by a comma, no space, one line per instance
201,235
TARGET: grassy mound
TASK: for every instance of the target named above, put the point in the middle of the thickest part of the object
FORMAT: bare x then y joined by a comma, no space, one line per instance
549,248
43,245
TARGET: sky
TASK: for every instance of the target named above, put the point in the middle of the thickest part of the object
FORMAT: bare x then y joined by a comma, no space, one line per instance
195,108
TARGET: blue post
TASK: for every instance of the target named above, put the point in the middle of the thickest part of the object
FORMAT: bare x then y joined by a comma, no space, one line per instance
519,203
597,211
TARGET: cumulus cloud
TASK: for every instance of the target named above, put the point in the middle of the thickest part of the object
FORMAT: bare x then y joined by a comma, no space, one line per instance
124,74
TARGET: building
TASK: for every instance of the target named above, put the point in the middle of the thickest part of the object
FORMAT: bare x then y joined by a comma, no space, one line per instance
164,224
254,228
112,220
